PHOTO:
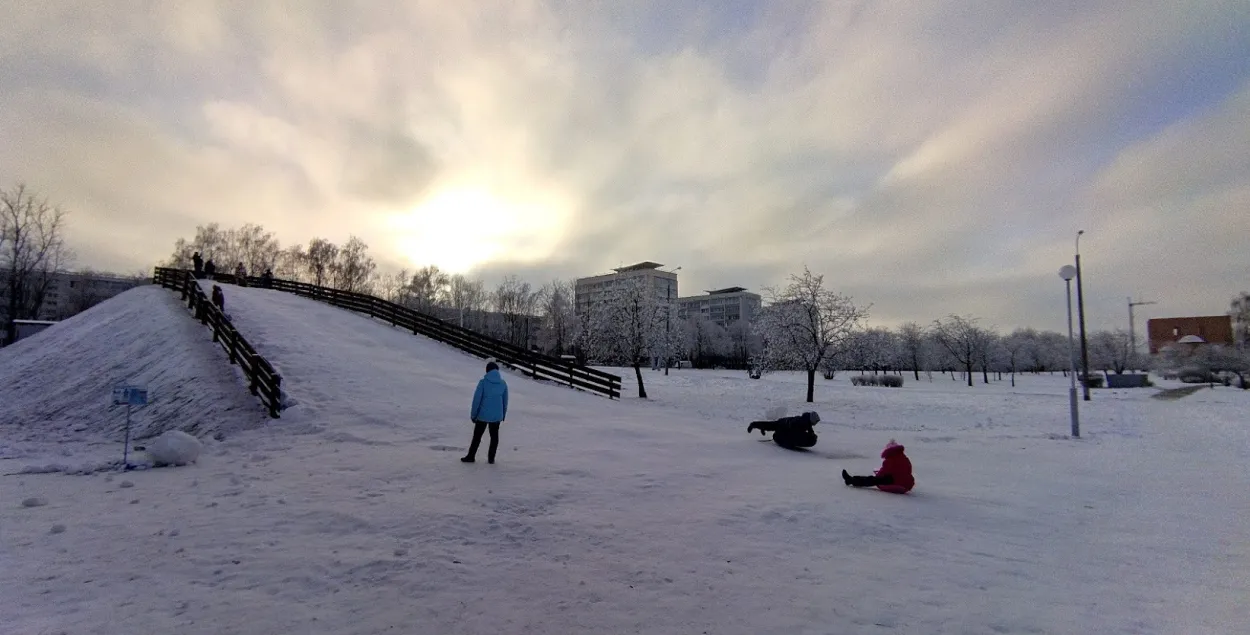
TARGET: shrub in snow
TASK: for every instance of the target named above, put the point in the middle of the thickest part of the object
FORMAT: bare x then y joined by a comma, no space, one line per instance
174,447
889,381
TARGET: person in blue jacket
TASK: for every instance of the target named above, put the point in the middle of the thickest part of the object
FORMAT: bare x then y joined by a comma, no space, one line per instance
490,407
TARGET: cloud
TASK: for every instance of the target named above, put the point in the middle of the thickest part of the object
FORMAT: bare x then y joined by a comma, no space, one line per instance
929,157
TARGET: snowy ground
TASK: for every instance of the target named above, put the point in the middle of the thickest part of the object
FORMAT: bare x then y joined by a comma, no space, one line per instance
351,514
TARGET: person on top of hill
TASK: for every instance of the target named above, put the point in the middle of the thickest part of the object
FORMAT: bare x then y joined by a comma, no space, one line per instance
240,275
790,432
197,264
266,279
894,476
489,409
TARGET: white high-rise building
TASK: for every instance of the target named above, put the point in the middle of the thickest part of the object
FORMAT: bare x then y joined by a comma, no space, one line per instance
587,291
722,306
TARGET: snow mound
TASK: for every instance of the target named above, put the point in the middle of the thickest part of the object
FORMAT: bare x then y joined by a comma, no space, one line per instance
174,447
56,386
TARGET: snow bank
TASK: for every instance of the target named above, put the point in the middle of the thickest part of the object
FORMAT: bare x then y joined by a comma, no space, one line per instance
174,447
56,386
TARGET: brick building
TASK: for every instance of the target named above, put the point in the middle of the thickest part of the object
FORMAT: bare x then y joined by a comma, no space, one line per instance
1213,329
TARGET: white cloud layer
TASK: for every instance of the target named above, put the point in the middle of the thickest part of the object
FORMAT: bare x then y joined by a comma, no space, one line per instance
929,157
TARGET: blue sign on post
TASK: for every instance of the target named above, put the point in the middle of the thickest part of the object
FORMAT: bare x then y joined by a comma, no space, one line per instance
129,396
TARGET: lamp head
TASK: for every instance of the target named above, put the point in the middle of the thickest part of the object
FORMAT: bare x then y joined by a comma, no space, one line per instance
1067,272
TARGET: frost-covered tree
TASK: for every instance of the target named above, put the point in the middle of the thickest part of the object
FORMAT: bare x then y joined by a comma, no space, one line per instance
1111,350
703,339
804,323
963,340
425,288
1239,310
291,264
912,349
626,326
1015,348
466,300
987,350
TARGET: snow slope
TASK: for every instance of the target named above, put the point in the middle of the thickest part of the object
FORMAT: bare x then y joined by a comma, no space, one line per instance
56,387
351,514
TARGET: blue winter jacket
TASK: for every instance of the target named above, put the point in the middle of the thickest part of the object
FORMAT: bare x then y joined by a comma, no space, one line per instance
490,400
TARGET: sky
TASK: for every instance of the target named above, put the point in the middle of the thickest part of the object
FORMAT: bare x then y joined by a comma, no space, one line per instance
928,158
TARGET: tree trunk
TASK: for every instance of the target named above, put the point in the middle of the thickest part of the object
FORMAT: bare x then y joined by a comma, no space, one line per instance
642,390
811,384
916,368
969,374
985,374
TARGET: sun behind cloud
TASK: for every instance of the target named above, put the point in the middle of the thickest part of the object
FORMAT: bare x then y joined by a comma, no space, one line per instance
464,224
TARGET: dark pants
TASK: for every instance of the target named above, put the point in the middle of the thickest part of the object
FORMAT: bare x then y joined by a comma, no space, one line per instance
871,481
478,428
785,435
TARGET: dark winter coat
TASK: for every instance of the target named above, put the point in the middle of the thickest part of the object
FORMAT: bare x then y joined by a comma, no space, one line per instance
897,466
209,267
796,432
197,262
490,399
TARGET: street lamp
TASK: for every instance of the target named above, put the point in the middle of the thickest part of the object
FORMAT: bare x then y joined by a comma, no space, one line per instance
1067,272
1132,330
1080,307
668,319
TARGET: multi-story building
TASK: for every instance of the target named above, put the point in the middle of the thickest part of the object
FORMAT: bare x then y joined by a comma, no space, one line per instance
587,291
71,292
1208,329
722,306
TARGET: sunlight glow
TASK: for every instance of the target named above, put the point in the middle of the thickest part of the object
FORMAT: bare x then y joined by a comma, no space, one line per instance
461,226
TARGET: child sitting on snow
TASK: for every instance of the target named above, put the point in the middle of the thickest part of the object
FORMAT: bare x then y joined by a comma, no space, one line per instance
894,476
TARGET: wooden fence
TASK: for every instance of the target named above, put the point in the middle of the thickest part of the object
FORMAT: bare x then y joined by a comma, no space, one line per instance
263,380
534,364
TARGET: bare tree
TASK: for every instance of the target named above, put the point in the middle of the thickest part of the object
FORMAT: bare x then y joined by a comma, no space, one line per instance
320,260
804,323
353,269
559,320
291,264
32,249
466,298
516,302
987,346
912,349
960,337
425,289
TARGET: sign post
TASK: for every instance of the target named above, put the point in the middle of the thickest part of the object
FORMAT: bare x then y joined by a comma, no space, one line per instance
129,396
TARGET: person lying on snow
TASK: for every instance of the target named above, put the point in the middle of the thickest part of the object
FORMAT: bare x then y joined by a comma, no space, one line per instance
790,432
894,476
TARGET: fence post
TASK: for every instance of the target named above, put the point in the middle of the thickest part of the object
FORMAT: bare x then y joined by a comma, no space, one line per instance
232,343
275,399
253,385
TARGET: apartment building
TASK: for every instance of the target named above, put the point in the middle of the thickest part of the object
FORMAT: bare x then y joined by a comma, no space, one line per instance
587,291
722,306
71,292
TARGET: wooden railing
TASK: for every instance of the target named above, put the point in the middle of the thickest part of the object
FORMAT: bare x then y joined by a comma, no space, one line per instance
534,364
263,380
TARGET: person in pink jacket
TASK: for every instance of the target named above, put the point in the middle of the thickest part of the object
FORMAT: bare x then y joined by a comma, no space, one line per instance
894,476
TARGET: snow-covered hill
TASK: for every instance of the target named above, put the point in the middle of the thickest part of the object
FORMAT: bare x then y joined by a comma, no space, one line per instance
56,387
352,514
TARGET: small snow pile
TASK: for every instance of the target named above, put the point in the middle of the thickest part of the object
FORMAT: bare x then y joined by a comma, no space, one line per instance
174,447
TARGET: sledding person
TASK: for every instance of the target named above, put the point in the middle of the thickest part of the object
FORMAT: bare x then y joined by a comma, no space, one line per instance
197,263
490,407
894,476
790,432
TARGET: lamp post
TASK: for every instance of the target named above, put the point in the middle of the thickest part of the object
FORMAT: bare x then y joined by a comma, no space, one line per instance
668,318
1067,272
1080,307
1132,330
